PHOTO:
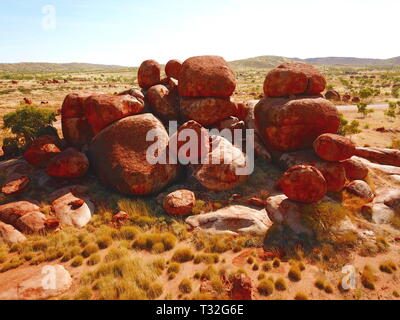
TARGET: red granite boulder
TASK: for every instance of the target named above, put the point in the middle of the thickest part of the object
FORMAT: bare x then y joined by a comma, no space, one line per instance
179,203
42,150
355,169
102,110
68,164
206,76
173,68
207,111
304,184
163,103
333,147
149,74
293,78
294,124
119,156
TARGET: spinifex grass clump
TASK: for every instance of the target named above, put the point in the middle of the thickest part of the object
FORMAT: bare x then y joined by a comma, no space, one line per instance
125,279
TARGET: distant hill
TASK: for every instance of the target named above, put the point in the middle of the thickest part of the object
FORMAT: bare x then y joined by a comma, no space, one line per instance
267,62
55,67
359,62
264,62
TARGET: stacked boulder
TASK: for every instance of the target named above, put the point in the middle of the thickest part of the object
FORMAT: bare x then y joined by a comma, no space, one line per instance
206,84
298,126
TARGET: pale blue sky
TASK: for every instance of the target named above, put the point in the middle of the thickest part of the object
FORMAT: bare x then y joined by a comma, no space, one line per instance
126,32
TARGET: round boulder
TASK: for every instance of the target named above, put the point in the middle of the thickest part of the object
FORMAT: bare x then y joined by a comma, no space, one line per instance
179,203
173,68
42,150
163,103
149,74
76,130
332,95
294,124
304,184
68,164
225,168
292,78
206,76
361,189
333,147
102,110
207,111
191,143
355,169
118,155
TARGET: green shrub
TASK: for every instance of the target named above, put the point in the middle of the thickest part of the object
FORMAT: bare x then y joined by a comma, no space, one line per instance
388,267
301,296
93,259
183,255
29,122
104,241
90,249
265,287
77,261
173,268
185,286
294,274
155,291
280,284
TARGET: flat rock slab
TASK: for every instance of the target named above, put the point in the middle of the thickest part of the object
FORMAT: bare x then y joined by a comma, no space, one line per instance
232,220
40,283
65,208
9,234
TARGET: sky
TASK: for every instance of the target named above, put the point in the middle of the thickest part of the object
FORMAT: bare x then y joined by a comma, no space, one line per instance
126,32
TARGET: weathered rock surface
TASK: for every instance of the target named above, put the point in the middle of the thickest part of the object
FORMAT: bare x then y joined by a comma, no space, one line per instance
333,172
68,164
226,167
282,210
361,189
102,110
233,220
118,155
384,206
206,76
293,78
15,184
332,95
136,93
72,207
9,234
179,203
207,111
149,74
294,124
333,147
163,103
303,183
389,157
33,222
11,212
241,288
355,169
190,144
44,283
42,150
173,68
76,130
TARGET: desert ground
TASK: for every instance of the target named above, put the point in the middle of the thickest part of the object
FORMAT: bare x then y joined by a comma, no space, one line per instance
153,255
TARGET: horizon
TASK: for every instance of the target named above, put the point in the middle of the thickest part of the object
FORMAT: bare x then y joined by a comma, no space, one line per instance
127,32
136,66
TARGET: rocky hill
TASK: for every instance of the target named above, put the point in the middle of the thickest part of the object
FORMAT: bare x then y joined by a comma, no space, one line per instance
55,67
